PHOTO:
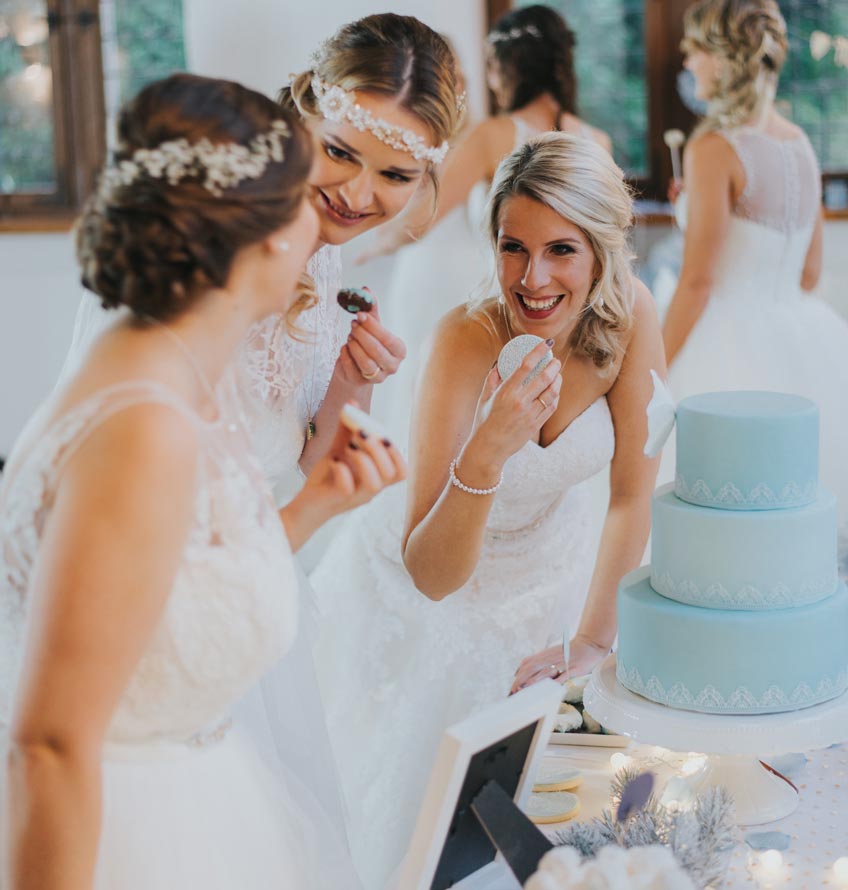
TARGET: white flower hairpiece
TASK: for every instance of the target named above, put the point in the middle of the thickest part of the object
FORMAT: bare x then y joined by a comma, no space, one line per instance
337,104
514,34
222,165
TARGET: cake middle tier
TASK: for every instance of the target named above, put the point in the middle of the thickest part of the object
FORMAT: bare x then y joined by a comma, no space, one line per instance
735,559
728,662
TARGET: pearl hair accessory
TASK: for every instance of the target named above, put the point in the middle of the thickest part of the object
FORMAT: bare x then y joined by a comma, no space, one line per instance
222,165
514,34
454,480
337,104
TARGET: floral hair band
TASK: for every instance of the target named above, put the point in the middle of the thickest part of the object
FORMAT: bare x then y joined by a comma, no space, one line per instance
222,165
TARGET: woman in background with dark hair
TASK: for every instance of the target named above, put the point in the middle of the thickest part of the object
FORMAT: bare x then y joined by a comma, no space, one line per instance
146,579
530,71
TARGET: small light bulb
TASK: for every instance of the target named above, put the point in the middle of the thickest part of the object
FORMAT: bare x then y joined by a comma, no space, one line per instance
840,870
619,761
771,862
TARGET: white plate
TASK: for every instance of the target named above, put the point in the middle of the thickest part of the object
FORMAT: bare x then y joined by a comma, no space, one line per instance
595,739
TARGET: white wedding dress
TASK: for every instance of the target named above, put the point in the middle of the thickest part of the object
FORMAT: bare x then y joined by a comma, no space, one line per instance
396,668
277,384
187,802
759,330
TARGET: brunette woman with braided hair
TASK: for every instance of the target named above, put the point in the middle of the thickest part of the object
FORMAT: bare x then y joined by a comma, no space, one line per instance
146,578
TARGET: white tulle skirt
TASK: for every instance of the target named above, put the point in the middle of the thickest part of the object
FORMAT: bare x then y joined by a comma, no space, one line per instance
177,817
797,346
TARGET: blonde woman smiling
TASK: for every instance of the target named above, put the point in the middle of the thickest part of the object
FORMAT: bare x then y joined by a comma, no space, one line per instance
427,619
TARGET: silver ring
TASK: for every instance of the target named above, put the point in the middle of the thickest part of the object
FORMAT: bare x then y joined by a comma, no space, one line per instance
555,669
373,374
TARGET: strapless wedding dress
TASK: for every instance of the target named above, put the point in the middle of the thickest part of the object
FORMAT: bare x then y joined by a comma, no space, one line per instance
396,668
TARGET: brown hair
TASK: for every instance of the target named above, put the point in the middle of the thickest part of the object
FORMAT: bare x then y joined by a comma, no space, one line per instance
153,245
391,55
534,49
750,38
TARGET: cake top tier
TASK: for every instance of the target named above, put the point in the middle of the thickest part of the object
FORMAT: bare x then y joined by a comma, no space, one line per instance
747,450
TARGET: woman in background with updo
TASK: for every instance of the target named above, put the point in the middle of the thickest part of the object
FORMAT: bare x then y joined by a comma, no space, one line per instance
530,71
146,579
741,317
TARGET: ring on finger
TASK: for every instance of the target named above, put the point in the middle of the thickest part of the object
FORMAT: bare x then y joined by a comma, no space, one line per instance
545,405
372,374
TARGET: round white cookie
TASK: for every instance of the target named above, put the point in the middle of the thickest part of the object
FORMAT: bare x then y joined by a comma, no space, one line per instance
557,778
555,806
514,353
568,719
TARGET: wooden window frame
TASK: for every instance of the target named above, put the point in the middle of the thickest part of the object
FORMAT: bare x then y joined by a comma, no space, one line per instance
78,118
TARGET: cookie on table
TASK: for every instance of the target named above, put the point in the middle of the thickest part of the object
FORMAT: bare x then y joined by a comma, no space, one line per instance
557,778
551,807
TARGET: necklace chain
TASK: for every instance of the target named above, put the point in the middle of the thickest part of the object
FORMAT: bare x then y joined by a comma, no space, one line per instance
178,341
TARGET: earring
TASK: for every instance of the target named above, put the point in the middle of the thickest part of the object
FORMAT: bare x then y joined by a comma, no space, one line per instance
282,245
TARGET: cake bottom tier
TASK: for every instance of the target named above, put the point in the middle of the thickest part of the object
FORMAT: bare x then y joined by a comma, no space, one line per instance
720,661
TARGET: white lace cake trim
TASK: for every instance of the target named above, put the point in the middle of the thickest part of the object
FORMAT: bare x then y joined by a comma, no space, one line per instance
741,700
717,596
760,496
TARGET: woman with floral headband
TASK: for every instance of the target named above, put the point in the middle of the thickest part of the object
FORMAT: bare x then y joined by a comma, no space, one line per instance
753,239
146,579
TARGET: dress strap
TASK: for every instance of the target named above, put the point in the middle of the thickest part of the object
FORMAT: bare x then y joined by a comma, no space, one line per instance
47,444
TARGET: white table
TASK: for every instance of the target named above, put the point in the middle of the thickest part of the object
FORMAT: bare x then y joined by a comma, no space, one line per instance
818,828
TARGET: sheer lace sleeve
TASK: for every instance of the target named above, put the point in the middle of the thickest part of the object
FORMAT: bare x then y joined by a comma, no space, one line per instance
282,381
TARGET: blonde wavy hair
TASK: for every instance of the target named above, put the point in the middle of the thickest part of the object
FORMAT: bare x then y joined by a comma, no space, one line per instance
578,180
749,37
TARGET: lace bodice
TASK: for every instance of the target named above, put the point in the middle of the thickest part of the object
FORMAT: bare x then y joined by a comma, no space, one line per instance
281,380
233,606
763,255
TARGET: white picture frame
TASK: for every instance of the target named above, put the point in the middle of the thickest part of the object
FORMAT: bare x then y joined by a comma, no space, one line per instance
523,721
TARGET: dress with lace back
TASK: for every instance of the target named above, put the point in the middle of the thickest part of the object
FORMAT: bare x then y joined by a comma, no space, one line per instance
760,330
186,802
397,668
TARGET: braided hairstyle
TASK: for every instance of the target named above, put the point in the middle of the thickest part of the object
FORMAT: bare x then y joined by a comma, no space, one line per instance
749,37
534,49
153,245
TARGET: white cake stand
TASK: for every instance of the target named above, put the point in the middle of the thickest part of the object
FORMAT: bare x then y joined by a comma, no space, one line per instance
735,744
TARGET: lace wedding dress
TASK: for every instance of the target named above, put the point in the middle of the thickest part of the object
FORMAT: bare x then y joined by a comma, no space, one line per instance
396,668
759,330
187,802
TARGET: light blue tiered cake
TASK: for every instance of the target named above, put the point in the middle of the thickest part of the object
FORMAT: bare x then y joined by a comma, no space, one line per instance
741,610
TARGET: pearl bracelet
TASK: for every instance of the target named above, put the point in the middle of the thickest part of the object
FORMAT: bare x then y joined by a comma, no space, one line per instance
460,485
